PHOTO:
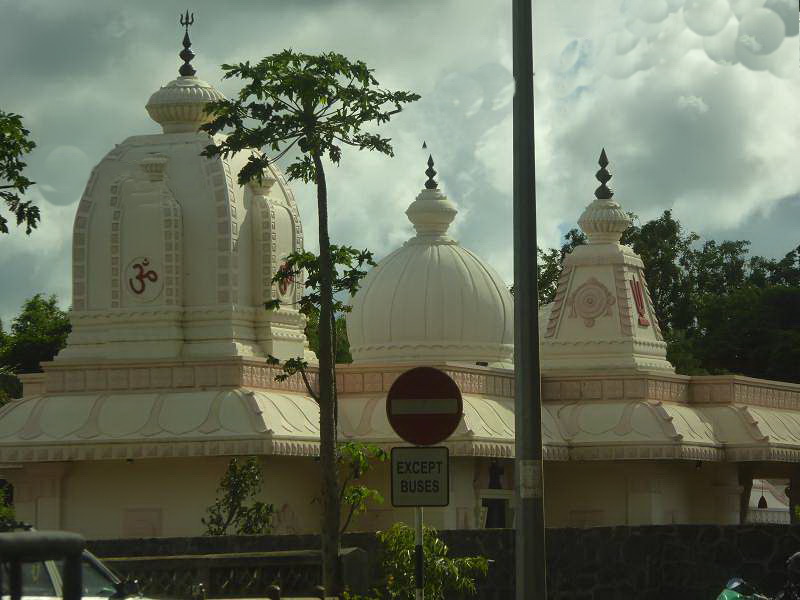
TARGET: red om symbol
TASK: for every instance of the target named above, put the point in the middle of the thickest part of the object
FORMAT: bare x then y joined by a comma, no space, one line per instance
283,284
138,287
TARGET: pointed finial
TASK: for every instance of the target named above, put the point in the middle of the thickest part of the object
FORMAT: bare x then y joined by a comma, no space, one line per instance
424,145
186,54
431,183
603,176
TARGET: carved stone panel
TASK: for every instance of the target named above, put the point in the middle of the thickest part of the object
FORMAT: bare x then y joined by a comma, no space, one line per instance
590,301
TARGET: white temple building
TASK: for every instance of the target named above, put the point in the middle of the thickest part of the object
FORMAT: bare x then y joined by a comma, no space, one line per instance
164,378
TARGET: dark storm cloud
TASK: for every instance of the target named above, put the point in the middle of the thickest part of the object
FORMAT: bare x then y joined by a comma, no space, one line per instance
712,142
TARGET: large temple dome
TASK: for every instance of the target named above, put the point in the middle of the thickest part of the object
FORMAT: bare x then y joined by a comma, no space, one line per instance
432,300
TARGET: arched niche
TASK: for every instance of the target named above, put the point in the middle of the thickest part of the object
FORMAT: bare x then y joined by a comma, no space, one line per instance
146,240
278,233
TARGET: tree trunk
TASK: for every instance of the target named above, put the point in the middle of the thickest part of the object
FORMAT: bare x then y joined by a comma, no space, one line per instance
331,514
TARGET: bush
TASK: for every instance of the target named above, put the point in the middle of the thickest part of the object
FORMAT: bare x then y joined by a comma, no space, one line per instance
443,574
230,513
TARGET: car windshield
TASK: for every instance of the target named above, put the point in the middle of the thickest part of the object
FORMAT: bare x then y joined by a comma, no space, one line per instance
35,580
95,582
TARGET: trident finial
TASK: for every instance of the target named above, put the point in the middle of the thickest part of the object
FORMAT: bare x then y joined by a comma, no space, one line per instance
187,20
603,176
431,183
186,54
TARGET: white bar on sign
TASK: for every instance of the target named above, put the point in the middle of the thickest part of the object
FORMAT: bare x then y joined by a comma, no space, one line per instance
424,406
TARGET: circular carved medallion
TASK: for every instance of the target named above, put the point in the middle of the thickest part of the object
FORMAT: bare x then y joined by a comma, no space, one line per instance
590,301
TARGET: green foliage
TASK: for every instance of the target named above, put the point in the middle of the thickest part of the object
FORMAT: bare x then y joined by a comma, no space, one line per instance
340,332
752,331
37,334
549,267
14,145
6,509
350,267
356,459
318,103
444,575
230,513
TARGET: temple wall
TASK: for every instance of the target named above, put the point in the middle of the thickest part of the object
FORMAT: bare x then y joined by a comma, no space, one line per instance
167,497
600,494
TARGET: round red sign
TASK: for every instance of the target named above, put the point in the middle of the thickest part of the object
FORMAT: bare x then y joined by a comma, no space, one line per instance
424,406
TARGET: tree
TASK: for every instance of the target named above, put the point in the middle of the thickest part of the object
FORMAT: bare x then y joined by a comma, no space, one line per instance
6,508
664,248
752,331
37,334
14,145
342,353
356,460
549,267
318,104
241,483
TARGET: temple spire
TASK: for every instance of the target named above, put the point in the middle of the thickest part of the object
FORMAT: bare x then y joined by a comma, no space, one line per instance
603,176
186,54
431,173
604,221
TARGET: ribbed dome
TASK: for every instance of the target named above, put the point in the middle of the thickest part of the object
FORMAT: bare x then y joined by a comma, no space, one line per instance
178,106
432,300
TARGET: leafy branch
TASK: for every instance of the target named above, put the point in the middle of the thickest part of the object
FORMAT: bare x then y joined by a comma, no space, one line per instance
14,144
355,460
350,268
242,482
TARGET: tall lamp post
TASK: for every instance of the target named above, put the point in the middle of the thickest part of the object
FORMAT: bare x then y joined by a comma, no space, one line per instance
531,569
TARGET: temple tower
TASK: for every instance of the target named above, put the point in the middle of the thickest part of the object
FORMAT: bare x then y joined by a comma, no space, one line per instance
172,257
602,317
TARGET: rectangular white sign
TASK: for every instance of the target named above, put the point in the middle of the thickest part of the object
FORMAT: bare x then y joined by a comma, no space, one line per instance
424,406
420,476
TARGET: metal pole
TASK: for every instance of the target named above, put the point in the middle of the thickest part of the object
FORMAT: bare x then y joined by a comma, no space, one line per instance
531,568
419,557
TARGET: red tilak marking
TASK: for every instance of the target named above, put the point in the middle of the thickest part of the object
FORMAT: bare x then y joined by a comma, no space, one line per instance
638,298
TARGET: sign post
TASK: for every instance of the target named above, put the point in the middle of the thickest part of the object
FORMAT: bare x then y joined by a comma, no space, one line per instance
424,407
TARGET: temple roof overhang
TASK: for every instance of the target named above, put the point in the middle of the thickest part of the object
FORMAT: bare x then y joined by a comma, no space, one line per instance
238,408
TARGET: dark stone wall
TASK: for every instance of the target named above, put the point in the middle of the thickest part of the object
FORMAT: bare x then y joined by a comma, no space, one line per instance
643,563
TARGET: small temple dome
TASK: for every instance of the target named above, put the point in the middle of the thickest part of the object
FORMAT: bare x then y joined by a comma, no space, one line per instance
432,300
179,106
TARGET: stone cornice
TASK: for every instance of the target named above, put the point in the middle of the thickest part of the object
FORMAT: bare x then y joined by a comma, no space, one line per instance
730,389
762,453
38,452
151,375
647,452
65,376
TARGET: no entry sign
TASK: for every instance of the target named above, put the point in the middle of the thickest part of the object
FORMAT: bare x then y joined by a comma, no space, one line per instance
424,406
420,476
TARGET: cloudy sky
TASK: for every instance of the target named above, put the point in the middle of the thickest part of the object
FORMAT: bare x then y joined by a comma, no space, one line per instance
695,101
